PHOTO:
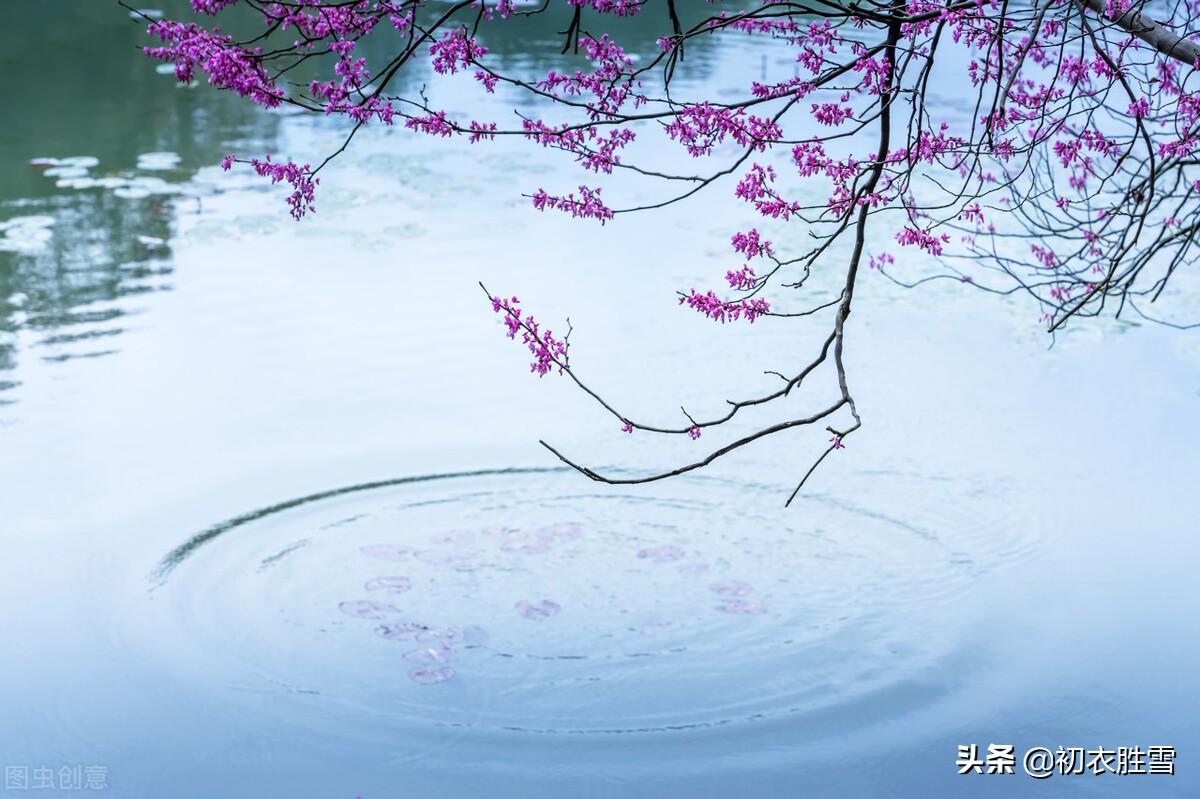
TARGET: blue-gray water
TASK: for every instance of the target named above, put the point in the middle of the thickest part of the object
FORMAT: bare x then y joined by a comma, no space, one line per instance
188,381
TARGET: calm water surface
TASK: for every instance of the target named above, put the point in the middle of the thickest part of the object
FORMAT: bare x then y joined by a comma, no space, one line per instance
274,519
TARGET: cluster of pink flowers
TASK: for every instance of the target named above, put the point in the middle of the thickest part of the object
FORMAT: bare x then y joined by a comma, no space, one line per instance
454,51
753,25
210,6
586,206
434,124
547,350
750,244
1115,9
1140,108
621,8
1067,150
926,241
743,279
594,151
931,146
810,160
723,311
609,84
847,71
797,87
874,74
880,261
754,187
601,155
1062,292
1180,148
481,131
565,137
337,94
191,47
299,177
1075,70
1044,255
487,79
832,114
700,127
317,21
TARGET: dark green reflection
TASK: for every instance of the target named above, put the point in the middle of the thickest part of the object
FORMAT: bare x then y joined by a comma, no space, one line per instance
77,85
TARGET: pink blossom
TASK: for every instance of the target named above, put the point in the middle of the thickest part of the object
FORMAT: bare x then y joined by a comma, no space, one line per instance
454,51
750,244
299,177
926,241
434,124
880,261
587,206
547,350
743,278
714,307
832,114
228,65
700,127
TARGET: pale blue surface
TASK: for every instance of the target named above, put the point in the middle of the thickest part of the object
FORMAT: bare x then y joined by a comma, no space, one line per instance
1005,553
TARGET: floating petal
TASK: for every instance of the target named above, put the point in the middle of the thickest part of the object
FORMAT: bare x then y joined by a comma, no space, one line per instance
742,607
365,609
428,675
393,585
732,588
664,553
538,611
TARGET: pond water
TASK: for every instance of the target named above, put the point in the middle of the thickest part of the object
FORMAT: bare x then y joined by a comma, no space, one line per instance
275,519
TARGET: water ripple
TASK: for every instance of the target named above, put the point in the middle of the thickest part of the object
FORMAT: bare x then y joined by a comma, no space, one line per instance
511,600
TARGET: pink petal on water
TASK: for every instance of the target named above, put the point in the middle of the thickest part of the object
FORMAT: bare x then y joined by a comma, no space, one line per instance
563,531
429,656
428,675
732,588
741,607
393,585
665,553
365,609
538,611
400,631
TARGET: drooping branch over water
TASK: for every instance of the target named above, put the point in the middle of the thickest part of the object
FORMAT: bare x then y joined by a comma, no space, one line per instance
1072,180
